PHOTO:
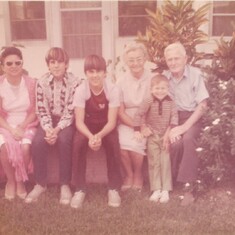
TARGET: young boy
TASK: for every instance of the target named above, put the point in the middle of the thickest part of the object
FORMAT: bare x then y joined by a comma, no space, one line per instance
154,118
54,98
96,103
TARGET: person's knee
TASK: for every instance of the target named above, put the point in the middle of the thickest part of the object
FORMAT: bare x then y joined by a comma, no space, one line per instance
189,139
111,140
64,140
79,140
3,149
176,146
25,149
38,143
192,135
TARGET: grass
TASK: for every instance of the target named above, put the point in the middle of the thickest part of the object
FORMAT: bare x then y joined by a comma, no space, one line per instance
213,213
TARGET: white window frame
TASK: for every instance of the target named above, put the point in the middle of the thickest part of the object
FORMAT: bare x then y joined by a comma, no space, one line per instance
211,22
28,42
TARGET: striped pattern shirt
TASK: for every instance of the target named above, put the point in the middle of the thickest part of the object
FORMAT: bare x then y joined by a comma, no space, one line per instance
158,115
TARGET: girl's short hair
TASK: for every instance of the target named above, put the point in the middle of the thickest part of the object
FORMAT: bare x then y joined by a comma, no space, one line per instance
176,46
57,53
94,62
159,78
10,51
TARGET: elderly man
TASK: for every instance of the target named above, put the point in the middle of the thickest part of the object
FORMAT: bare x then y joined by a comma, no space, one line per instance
188,90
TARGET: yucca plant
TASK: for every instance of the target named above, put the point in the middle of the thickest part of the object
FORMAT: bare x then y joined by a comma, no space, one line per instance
223,64
173,22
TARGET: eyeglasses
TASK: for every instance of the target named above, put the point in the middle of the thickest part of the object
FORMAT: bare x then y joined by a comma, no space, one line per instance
136,60
17,63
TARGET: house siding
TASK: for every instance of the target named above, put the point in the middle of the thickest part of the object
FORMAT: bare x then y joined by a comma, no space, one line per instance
34,52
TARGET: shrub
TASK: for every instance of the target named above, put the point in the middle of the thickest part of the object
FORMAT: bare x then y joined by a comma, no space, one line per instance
217,141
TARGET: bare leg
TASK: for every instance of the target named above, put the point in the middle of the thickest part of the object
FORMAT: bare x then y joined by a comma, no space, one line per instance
127,165
137,160
10,174
20,189
26,155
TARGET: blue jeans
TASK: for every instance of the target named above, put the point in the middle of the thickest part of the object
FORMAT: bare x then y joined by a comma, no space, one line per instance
112,149
40,151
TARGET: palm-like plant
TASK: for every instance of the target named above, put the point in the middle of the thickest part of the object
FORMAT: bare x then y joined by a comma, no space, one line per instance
171,23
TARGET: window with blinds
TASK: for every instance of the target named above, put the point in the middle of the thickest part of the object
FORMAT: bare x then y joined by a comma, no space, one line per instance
27,19
81,28
132,16
223,18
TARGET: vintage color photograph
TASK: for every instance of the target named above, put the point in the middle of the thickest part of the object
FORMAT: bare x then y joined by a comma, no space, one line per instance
117,117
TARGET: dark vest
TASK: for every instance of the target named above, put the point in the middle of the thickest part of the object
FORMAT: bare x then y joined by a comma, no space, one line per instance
96,109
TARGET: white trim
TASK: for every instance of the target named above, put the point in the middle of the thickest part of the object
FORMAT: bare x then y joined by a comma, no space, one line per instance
25,42
107,22
55,25
6,19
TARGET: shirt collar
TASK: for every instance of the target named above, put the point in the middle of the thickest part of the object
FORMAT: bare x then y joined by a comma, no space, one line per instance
51,78
185,74
160,101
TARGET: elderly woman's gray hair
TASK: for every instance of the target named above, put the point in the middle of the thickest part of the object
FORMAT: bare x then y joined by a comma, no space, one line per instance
133,46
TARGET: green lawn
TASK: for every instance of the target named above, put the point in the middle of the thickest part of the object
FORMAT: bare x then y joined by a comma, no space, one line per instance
213,213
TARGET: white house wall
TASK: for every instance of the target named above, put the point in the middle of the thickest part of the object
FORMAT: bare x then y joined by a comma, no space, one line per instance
34,52
2,27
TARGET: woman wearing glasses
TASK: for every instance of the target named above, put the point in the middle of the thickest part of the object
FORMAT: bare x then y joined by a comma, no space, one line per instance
17,121
134,86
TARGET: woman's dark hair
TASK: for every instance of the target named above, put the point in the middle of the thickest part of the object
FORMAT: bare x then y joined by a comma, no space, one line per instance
57,53
94,62
10,51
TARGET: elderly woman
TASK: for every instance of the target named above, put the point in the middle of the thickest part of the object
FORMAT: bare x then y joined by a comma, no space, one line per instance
133,88
17,121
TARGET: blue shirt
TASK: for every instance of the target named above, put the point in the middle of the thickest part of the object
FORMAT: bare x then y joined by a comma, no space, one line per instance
189,91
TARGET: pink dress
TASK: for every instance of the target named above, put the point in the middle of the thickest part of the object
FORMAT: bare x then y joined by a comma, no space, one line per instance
17,102
132,93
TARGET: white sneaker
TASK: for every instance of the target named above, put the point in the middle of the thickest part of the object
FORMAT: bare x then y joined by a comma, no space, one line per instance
65,195
35,193
156,195
165,197
78,199
114,199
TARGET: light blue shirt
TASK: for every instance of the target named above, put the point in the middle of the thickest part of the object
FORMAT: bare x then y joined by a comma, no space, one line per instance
189,91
